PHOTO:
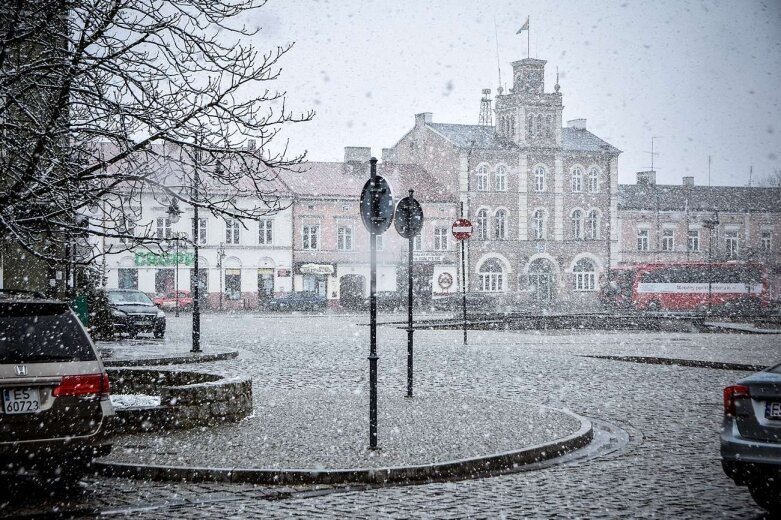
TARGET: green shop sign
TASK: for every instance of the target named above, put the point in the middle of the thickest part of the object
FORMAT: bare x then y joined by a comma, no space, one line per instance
155,259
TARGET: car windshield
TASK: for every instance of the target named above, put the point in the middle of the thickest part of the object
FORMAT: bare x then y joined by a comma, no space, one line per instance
129,297
776,369
38,333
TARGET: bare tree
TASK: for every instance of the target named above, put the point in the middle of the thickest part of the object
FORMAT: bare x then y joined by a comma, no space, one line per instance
102,101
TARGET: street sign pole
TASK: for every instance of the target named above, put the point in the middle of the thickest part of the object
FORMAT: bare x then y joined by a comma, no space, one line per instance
373,310
410,330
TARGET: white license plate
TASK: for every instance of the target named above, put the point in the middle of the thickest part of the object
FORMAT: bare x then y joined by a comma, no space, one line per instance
773,410
21,400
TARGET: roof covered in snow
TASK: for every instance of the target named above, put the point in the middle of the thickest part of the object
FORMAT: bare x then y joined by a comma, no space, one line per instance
698,198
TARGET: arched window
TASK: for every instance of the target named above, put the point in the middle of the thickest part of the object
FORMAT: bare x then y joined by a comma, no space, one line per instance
538,224
482,225
577,180
482,178
539,178
592,225
549,127
491,276
577,223
500,225
584,276
501,178
540,126
531,125
512,126
593,180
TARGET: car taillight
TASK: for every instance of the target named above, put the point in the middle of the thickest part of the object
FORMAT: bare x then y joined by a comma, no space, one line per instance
732,393
83,385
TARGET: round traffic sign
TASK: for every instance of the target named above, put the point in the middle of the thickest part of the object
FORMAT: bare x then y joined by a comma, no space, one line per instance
462,229
409,217
445,280
381,191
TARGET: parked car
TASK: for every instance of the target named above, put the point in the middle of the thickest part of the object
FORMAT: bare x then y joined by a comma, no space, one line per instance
168,300
55,391
132,312
297,301
751,436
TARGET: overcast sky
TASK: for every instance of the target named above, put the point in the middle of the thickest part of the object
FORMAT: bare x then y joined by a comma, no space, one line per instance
703,76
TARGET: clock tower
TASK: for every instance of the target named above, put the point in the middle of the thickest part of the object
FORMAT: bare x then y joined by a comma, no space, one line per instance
527,115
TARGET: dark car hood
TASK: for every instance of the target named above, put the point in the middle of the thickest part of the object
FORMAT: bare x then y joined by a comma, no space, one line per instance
137,309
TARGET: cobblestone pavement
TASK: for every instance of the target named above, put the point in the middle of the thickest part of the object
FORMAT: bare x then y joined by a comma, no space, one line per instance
669,469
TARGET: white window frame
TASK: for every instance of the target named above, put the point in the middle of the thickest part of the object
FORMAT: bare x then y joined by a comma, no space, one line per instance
538,224
163,228
310,233
201,230
576,224
266,231
577,179
540,172
766,240
693,240
441,238
128,227
593,180
584,280
344,237
732,243
500,224
491,281
482,224
668,239
482,178
592,225
500,178
642,239
232,231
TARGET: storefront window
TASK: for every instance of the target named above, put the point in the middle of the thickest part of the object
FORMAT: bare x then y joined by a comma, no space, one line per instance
128,278
233,284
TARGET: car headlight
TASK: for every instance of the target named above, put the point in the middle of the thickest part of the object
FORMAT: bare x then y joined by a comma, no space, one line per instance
160,313
116,313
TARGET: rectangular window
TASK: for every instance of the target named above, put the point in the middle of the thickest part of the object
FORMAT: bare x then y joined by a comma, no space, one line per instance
231,231
440,238
417,243
311,237
767,241
200,231
491,282
344,238
128,227
694,240
163,227
265,232
731,243
642,240
128,278
584,281
668,236
233,284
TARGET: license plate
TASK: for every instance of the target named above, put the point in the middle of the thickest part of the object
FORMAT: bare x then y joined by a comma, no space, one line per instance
21,400
773,410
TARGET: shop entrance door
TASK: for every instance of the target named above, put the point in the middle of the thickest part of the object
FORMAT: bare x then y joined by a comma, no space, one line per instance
541,280
265,286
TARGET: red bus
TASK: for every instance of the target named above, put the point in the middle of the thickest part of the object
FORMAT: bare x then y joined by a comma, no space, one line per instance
687,286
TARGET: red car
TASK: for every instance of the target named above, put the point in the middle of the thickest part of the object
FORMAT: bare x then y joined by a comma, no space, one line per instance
168,300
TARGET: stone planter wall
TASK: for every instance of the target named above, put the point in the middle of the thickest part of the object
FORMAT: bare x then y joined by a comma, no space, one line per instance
187,399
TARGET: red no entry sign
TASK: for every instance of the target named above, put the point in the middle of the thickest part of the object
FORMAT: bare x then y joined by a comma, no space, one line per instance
462,229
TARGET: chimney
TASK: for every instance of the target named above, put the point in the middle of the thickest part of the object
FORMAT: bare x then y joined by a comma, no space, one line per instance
250,144
423,118
688,181
646,178
357,154
579,124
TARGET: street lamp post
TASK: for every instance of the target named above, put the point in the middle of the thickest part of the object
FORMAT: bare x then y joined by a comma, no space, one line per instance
710,224
174,214
220,256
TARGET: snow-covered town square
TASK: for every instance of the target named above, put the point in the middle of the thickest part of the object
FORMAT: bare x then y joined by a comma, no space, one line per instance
371,259
655,450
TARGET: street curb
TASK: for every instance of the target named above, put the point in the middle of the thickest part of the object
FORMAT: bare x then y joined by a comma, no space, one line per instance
693,363
173,360
451,470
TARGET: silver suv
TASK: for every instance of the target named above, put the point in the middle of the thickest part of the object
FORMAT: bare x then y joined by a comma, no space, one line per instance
751,436
55,405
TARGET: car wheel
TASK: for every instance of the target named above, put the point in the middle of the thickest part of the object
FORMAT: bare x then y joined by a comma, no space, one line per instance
767,496
65,473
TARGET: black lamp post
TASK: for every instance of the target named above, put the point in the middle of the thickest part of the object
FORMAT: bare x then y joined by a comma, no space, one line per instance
710,224
220,256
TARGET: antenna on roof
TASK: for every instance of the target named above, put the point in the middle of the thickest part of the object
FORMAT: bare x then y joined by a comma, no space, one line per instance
653,154
498,65
750,173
